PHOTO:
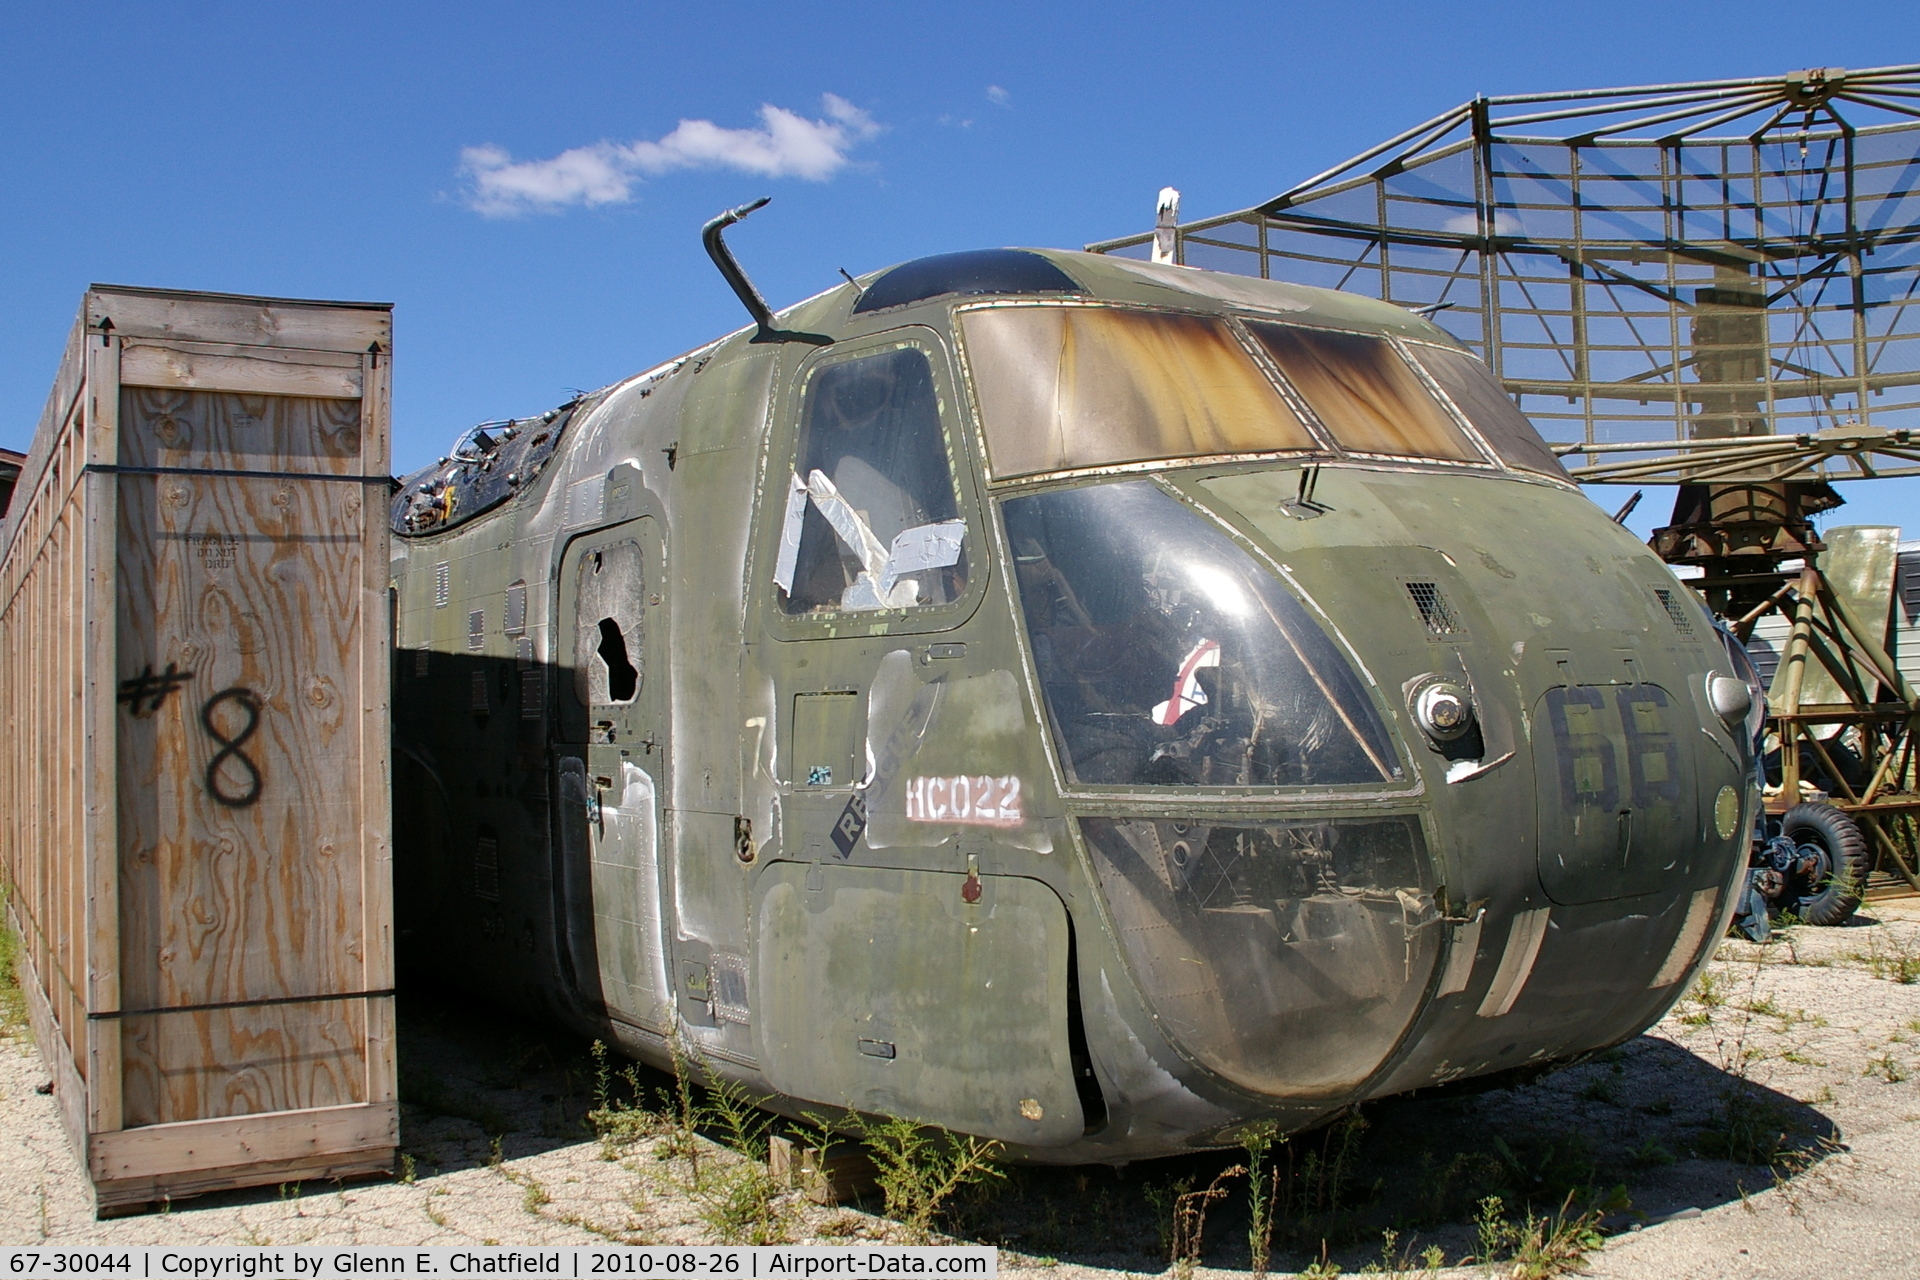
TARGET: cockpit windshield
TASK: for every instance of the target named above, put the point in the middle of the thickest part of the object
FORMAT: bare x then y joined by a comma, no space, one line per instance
1478,394
1170,657
1364,393
1066,387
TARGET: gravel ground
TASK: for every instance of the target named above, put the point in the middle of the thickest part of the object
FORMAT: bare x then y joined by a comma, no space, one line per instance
1769,1126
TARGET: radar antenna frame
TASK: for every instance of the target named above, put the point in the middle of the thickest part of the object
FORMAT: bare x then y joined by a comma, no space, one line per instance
1711,284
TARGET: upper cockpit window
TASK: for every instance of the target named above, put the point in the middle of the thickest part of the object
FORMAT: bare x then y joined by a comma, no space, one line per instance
871,519
976,271
1475,392
1364,392
1062,387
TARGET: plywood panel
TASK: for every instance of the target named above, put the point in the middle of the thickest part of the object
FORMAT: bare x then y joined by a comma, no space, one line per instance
96,444
282,373
235,1062
224,1144
240,796
175,427
193,818
266,322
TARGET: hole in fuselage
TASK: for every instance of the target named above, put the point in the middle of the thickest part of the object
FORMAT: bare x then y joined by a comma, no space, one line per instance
623,678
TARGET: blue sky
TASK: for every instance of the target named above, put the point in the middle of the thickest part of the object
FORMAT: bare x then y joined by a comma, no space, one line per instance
383,151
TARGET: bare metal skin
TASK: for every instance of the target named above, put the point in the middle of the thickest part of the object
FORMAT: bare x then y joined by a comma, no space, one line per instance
1013,708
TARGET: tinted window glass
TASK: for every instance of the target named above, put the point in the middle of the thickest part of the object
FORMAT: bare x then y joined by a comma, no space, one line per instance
1287,956
1169,657
1364,393
975,271
1065,387
1477,394
871,519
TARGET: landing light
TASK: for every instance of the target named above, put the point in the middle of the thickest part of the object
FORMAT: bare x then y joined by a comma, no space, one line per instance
1444,710
1729,698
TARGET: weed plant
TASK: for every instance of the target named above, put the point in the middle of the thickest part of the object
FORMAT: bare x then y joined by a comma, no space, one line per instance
683,1138
741,1203
1316,1197
1263,1189
1887,1068
1525,1168
1708,994
736,1119
1190,1220
1164,1202
620,1117
734,1194
1748,1128
920,1168
1397,1261
13,1000
1534,1248
1892,958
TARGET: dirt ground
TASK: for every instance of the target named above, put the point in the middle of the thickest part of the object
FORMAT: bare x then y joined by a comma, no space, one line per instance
1769,1126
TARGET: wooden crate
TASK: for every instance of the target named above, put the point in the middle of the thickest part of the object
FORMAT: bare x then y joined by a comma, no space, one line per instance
194,822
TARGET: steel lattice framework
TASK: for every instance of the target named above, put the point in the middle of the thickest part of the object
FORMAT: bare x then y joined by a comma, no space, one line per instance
1675,268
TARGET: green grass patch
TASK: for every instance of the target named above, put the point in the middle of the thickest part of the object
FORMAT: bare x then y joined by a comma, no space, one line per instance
13,1000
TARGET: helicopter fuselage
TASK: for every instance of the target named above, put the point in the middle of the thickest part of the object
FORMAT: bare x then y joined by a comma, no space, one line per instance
1082,703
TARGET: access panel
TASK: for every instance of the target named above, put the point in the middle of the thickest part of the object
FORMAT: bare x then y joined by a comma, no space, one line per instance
887,991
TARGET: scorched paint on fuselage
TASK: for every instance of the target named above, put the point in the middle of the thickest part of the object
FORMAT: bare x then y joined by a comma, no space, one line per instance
1079,702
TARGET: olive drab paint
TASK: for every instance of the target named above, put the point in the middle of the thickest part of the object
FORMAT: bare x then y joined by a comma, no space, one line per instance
1071,700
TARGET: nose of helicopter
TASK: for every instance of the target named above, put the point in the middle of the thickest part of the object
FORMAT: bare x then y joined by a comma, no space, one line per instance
1429,786
1587,822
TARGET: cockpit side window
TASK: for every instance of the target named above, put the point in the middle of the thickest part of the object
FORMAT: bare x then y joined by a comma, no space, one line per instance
1477,394
872,520
1364,392
1063,387
1170,657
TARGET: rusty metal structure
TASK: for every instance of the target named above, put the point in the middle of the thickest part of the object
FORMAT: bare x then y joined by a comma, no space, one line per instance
1713,285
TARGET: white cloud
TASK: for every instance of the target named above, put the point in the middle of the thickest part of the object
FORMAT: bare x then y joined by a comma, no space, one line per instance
1505,223
997,96
786,145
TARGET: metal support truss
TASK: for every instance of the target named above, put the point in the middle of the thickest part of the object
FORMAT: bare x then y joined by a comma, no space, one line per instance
1714,285
1655,264
1875,726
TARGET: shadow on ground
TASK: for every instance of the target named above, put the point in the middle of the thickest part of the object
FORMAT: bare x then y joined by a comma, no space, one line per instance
1645,1132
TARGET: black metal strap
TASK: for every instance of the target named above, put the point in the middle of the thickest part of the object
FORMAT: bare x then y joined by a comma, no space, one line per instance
239,1004
108,469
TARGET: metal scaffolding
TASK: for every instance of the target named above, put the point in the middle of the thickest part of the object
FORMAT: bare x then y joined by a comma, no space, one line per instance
1651,266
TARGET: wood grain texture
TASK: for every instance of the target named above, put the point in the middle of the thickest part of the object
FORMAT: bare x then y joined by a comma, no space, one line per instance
69,1090
126,1196
152,365
178,427
241,798
222,1144
375,657
217,833
246,1061
100,837
263,322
